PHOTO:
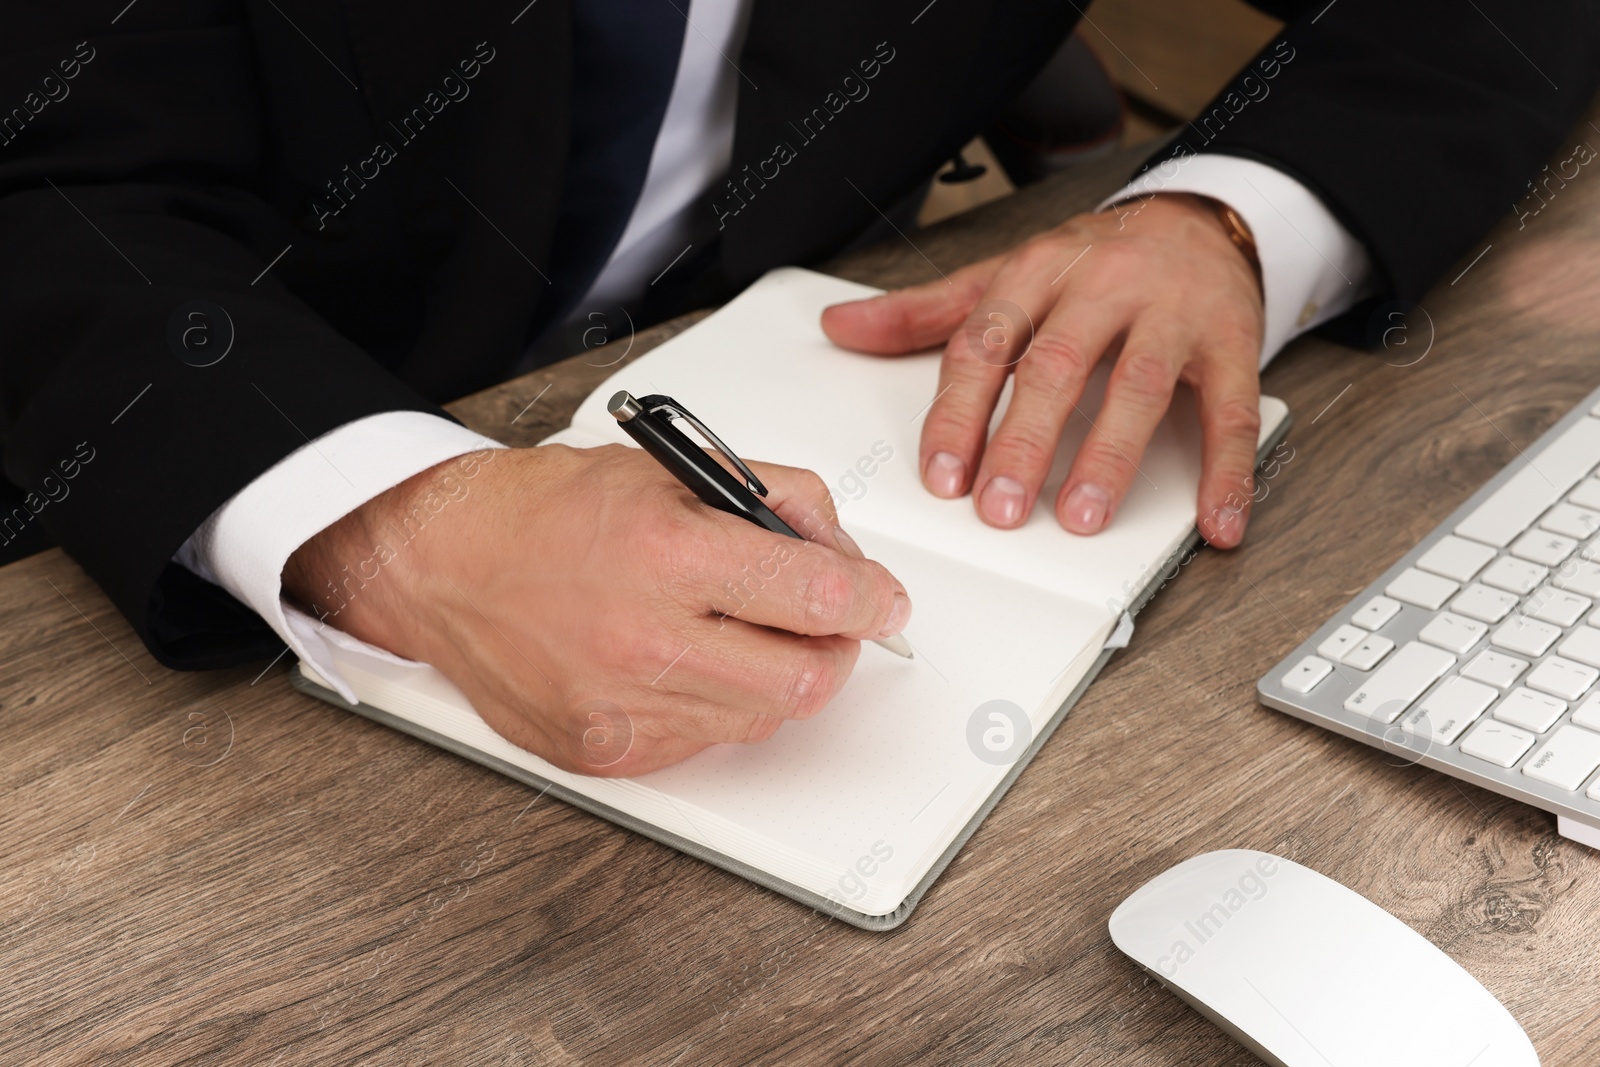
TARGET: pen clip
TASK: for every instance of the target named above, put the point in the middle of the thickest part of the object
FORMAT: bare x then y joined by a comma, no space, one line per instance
671,408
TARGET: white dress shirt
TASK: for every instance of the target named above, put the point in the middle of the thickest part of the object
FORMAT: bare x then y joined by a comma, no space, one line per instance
1312,269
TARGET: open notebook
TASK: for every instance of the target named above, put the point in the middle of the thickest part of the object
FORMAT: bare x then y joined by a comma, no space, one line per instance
859,809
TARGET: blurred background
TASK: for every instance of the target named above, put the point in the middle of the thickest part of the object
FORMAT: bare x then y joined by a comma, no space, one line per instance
1126,77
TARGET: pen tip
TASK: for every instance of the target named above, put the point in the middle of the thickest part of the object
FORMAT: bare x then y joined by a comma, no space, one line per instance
896,644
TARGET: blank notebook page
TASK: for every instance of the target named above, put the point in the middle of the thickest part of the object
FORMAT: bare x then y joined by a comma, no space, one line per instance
761,374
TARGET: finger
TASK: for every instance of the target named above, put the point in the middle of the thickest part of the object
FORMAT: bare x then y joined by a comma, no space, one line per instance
809,589
802,499
753,670
977,359
1050,379
912,319
1138,394
1230,423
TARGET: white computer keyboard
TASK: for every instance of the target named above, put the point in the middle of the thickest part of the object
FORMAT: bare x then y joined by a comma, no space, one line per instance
1478,652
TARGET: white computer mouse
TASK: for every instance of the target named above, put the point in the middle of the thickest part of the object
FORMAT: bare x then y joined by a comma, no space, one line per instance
1307,973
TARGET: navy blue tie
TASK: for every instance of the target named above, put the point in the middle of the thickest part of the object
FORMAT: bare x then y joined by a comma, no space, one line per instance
624,60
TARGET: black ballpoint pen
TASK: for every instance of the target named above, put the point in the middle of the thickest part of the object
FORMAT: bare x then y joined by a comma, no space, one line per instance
648,420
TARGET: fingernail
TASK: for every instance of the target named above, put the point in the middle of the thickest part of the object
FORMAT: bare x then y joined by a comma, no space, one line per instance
847,544
1229,524
1086,509
944,474
1002,501
899,615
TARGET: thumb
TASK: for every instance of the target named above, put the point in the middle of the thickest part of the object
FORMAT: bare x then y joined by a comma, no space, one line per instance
910,320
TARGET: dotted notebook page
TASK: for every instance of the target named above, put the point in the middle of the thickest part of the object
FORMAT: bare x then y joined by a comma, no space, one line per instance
889,769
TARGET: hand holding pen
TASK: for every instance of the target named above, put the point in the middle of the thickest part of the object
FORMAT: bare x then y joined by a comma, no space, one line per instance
599,616
648,420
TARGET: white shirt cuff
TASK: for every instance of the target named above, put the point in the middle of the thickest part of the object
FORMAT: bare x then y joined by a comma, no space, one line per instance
1312,268
245,543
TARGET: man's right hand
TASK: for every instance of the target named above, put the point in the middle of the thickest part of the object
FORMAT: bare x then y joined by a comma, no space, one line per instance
594,611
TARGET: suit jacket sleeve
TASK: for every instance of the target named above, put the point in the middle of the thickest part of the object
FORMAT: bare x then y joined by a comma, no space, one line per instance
1419,125
127,195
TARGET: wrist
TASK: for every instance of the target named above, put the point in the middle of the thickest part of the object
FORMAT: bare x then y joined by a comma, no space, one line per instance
1210,214
355,572
1233,227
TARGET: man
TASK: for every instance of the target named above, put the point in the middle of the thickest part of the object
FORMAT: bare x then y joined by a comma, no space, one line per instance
247,247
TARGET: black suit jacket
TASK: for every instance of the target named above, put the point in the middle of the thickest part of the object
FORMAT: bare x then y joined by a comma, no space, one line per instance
170,156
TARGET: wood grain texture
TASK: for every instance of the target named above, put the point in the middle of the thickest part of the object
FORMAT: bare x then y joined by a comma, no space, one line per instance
210,868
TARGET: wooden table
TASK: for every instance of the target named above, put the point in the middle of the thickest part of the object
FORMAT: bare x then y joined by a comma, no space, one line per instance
210,868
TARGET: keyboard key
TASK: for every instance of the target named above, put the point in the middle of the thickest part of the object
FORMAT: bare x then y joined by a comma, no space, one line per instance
1578,576
1495,668
1480,602
1540,482
1449,709
1369,653
1526,636
1514,575
1550,604
1422,589
1570,756
1343,640
1496,742
1305,675
1588,713
1587,494
1530,710
1375,612
1583,645
1571,521
1455,557
1393,687
1452,632
1540,546
1562,678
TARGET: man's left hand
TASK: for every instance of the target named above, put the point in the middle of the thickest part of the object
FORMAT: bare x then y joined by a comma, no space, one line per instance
1159,287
